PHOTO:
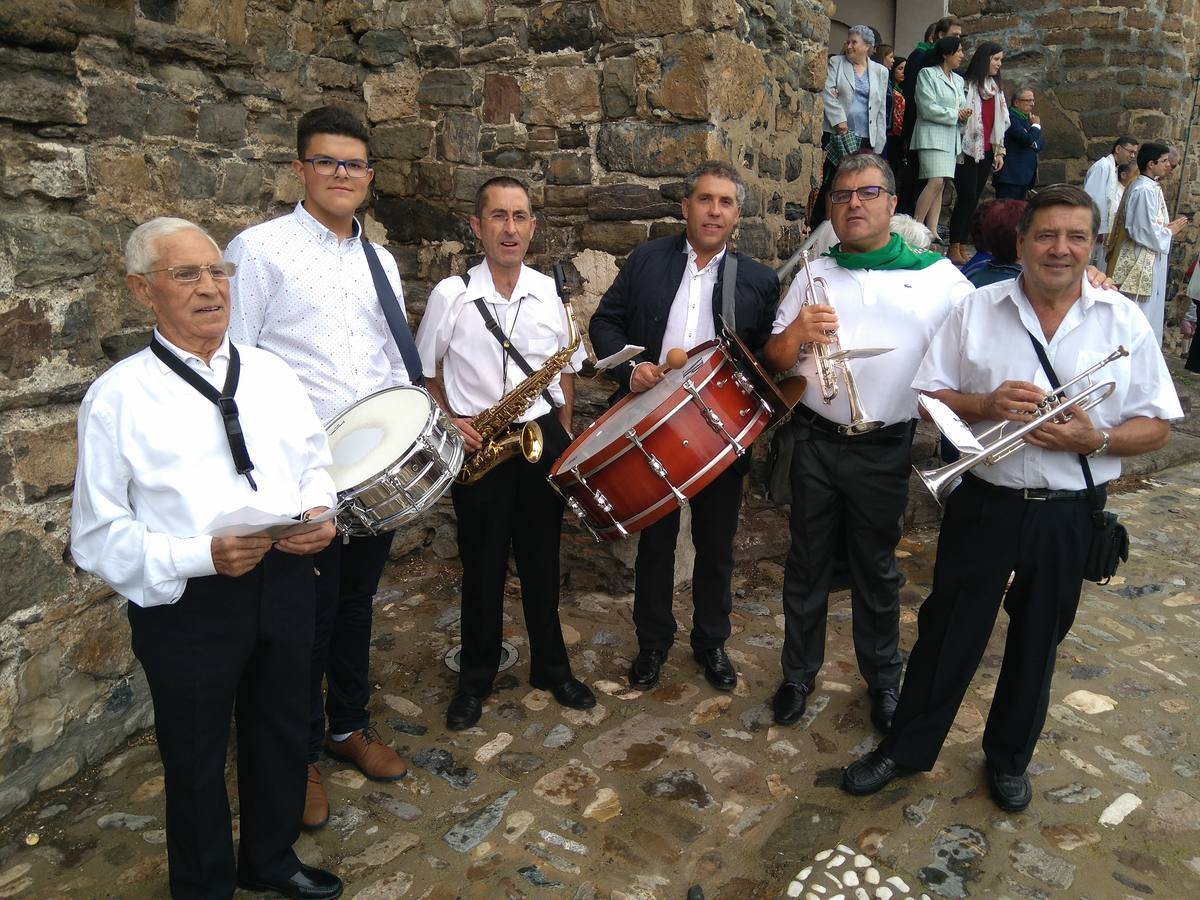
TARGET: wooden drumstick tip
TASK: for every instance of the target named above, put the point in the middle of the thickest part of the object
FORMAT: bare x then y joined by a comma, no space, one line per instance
676,359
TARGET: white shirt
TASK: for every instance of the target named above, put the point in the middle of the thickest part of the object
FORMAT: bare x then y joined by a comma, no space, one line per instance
453,333
690,321
1103,186
898,308
155,470
985,342
307,297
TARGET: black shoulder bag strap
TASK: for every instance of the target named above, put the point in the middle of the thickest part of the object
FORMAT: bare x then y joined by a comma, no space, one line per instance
728,291
1093,495
509,350
397,323
223,400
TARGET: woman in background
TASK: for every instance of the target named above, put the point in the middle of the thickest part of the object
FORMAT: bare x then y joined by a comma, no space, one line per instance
937,137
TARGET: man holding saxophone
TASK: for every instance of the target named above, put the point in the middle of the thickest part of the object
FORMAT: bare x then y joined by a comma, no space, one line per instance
491,333
1028,515
852,453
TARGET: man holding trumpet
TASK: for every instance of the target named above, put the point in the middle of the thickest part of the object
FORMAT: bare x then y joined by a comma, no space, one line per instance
1029,514
849,466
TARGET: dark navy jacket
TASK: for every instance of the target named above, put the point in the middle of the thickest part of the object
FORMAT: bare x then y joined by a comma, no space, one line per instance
1022,143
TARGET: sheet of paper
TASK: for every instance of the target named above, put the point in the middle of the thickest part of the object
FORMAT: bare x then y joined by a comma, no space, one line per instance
247,521
628,352
949,424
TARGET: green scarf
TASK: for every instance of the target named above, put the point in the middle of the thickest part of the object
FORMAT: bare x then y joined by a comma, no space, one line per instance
924,46
1017,114
895,254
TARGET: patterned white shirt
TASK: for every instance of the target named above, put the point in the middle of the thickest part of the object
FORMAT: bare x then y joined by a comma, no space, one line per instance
304,295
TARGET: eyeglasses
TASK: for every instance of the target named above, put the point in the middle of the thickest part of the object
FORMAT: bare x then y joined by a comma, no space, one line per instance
870,192
327,165
222,271
1024,100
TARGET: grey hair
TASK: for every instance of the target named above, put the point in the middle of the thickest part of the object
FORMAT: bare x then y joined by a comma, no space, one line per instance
1022,89
860,161
720,169
911,231
141,250
866,33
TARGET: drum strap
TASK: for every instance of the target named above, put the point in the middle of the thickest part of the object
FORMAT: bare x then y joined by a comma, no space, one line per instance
498,333
728,288
392,311
223,400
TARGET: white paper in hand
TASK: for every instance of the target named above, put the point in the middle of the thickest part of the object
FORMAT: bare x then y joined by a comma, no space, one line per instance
626,353
949,424
248,520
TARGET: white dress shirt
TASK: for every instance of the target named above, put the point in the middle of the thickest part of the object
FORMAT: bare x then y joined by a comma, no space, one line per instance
453,334
898,308
690,321
1103,186
307,297
155,470
985,342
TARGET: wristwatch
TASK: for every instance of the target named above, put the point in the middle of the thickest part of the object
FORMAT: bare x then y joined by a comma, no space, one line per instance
1102,450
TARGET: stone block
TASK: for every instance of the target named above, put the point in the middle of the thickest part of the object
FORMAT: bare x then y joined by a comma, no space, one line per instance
40,88
392,94
242,184
569,168
575,138
741,82
636,18
683,91
467,12
48,247
171,42
618,88
617,238
501,98
31,563
195,179
411,140
414,221
170,117
116,111
448,87
248,87
384,47
458,138
666,229
754,240
566,95
51,170
438,56
223,124
509,158
121,181
331,73
566,196
562,26
505,48
654,150
41,447
622,202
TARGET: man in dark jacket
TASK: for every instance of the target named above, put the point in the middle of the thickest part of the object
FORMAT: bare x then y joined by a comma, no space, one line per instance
1022,144
669,294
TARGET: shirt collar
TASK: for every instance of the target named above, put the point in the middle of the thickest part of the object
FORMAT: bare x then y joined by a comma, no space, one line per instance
1088,297
222,353
712,263
483,288
319,231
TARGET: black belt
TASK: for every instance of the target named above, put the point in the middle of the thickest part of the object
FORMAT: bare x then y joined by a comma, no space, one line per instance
827,430
1030,493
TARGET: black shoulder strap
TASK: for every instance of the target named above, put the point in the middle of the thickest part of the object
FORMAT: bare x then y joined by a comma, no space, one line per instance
497,332
397,323
1054,382
728,291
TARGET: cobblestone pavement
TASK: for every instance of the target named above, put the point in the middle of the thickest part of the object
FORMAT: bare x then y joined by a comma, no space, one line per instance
683,788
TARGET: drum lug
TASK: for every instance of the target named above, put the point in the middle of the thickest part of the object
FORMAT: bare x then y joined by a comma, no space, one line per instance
657,467
714,421
743,382
600,500
583,517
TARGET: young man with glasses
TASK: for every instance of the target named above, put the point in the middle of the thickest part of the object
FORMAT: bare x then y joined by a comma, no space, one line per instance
304,291
881,294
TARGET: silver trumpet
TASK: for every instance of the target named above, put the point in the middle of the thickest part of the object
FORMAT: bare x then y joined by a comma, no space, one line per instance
999,443
831,360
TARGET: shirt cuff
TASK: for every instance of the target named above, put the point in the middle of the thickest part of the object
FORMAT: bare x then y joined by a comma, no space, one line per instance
192,557
314,497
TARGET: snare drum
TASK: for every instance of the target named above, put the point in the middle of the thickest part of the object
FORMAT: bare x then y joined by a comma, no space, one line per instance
653,451
394,454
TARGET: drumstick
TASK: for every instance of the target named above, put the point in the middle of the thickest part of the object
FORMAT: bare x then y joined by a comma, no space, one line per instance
676,359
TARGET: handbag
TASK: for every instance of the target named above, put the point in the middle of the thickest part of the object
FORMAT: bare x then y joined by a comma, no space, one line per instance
1108,546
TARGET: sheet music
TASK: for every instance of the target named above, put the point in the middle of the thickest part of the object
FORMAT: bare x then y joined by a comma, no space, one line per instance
949,424
247,521
626,353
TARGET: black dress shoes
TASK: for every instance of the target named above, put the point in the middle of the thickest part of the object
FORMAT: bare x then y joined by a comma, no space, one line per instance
870,774
790,702
883,707
646,668
718,668
464,711
306,884
572,693
1012,793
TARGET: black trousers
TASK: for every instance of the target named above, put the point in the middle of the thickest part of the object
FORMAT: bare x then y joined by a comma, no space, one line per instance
986,535
512,508
349,576
241,646
859,485
820,211
714,523
970,178
1005,191
910,185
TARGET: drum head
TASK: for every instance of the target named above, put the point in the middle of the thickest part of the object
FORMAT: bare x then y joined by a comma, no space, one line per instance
374,433
632,409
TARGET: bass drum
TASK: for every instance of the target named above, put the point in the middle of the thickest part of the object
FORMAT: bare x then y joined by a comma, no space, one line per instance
653,451
394,454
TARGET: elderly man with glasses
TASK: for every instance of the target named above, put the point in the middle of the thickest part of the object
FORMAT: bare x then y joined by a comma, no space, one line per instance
845,474
171,440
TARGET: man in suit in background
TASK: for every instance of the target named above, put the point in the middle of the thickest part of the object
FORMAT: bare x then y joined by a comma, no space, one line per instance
1022,144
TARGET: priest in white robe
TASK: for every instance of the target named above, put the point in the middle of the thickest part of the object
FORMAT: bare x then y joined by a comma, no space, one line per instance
1103,186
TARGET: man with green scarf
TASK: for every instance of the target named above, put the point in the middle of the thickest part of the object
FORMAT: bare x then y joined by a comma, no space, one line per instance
881,294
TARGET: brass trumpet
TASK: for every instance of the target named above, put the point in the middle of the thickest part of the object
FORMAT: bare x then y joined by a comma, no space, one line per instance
997,444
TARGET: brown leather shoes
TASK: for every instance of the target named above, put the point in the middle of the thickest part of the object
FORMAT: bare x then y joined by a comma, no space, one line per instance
316,803
372,756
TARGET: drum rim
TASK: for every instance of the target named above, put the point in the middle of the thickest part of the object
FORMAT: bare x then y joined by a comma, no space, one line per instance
432,416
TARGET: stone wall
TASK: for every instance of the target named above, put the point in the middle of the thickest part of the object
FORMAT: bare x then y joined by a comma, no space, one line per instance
118,110
1103,68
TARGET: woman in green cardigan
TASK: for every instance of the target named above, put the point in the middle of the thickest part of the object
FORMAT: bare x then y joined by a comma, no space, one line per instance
941,110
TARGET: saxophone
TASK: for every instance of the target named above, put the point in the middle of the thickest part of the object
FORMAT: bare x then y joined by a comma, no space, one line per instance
501,438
